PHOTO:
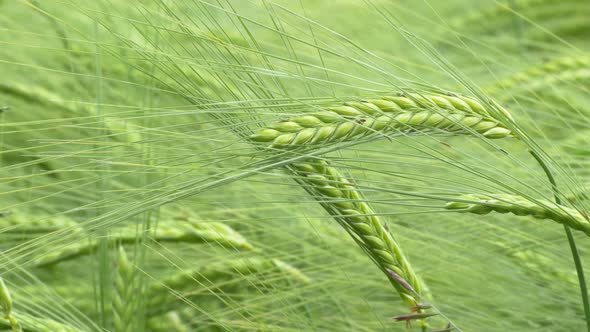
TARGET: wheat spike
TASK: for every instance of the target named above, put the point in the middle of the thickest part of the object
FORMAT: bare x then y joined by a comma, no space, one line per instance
520,206
560,69
16,222
345,203
125,291
187,232
505,10
406,113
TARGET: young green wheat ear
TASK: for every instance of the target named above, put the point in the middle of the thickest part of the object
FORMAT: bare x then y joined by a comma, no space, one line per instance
21,223
404,113
125,291
506,11
347,205
520,206
179,232
560,69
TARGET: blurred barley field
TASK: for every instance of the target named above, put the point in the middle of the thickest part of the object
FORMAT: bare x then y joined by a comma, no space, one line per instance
133,196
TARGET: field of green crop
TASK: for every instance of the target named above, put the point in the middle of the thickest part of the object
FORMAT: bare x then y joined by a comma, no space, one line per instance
294,165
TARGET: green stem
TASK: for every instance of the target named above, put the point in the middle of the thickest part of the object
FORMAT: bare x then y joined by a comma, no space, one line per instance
570,240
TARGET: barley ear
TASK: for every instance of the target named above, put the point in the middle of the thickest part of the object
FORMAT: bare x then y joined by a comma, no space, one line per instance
176,232
410,113
125,291
557,70
17,222
346,204
520,206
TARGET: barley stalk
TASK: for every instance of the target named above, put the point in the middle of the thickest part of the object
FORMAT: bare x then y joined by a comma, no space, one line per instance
163,294
520,206
187,232
347,205
125,294
6,303
404,113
